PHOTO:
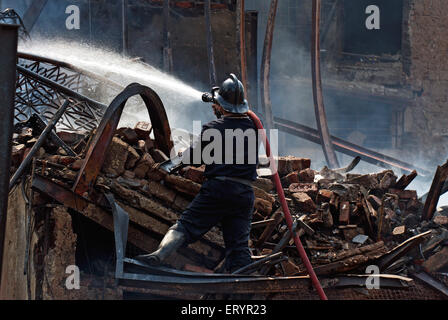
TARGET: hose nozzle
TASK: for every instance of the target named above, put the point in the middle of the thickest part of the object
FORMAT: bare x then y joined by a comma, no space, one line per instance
210,96
207,97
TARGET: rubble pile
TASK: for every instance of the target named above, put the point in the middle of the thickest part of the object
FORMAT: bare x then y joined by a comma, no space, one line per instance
345,220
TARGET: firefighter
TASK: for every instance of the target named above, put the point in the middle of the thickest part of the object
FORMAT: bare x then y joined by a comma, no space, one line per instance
227,196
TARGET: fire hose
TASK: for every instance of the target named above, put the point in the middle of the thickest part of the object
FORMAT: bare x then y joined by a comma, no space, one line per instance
284,204
209,97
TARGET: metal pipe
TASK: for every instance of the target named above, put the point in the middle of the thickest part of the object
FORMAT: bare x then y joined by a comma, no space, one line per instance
319,107
346,147
8,53
211,56
167,50
266,67
124,30
241,30
25,163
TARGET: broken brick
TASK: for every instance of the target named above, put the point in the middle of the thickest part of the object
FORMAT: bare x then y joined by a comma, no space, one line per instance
324,196
290,178
128,135
143,166
265,184
143,129
133,157
306,175
289,164
309,188
304,203
116,156
195,174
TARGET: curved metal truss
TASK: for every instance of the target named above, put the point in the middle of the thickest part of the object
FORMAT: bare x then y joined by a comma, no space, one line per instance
43,85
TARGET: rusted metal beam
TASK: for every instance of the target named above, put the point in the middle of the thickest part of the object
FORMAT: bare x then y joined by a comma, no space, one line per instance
319,107
211,56
8,54
97,150
435,192
266,67
400,250
346,147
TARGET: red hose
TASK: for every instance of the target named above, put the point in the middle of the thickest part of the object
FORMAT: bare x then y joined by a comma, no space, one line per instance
289,222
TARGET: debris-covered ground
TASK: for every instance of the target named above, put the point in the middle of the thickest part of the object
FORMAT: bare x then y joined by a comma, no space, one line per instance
346,221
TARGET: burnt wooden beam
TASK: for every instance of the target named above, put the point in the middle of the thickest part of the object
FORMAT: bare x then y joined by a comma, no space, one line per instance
405,180
435,192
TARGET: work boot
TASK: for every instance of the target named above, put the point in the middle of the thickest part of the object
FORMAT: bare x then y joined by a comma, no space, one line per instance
170,243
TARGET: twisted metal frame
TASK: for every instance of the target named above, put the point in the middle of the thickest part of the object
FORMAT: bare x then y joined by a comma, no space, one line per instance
43,85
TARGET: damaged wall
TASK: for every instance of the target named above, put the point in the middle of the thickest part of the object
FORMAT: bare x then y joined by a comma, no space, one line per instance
427,45
52,248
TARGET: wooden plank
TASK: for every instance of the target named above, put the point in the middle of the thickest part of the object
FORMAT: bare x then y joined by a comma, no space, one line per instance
344,213
277,216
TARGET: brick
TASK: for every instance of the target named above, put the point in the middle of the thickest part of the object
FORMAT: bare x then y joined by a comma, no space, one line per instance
265,184
263,206
290,178
128,135
289,164
160,191
304,203
155,173
116,157
309,188
404,194
133,158
367,180
183,185
195,174
306,175
143,166
143,129
324,196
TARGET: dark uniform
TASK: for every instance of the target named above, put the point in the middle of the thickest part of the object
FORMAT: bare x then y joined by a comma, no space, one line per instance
227,196
220,200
